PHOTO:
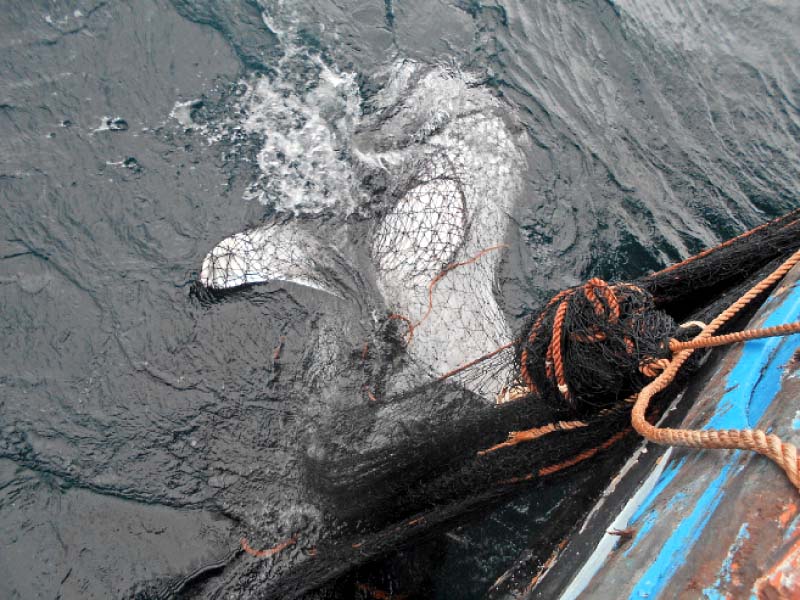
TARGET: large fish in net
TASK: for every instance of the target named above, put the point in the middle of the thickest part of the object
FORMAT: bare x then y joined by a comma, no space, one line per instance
414,380
384,471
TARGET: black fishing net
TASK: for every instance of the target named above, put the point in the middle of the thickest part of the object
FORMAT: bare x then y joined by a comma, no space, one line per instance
682,287
425,229
397,460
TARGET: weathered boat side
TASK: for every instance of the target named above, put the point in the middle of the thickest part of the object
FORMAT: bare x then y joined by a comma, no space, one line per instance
712,523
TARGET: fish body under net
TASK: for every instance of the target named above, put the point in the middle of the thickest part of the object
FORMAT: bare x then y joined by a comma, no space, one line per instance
389,471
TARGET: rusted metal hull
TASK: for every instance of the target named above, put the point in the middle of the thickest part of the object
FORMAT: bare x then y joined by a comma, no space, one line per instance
683,523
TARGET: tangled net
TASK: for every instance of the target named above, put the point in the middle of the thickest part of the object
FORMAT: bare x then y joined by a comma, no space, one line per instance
435,254
604,341
395,466
425,230
463,456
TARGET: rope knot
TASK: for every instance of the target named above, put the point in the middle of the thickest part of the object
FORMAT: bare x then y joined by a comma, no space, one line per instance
594,343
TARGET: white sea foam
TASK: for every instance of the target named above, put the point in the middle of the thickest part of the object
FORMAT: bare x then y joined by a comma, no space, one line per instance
306,136
111,124
182,112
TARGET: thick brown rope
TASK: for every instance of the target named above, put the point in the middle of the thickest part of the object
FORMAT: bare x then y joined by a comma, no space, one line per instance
783,454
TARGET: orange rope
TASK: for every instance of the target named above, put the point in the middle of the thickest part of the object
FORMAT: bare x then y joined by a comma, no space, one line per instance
654,367
532,337
412,326
269,551
528,435
432,285
554,357
608,294
480,359
517,437
739,336
555,348
570,462
407,321
783,454
449,268
585,455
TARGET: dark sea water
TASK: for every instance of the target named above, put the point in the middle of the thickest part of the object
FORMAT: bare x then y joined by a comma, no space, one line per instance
142,431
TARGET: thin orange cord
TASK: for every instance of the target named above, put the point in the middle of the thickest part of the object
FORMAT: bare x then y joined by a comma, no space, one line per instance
517,437
727,243
570,462
434,282
585,455
268,551
480,359
529,435
783,454
407,321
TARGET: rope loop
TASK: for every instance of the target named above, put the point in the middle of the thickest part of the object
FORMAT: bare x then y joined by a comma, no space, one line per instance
782,453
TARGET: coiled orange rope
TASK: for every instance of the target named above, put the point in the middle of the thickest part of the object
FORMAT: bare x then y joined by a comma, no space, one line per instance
664,371
554,359
782,453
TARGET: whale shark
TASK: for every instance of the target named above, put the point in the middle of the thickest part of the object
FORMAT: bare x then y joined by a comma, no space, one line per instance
436,232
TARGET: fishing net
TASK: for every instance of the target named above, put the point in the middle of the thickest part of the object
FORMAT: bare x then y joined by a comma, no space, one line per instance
488,419
271,252
435,255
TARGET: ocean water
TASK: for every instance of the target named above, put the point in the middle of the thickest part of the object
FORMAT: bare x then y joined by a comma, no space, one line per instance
143,431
